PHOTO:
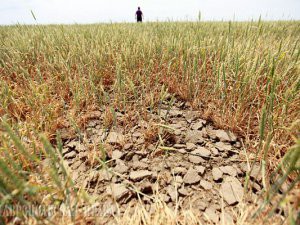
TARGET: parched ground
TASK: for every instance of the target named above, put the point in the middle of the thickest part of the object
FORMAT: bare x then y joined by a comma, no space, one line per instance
174,157
243,76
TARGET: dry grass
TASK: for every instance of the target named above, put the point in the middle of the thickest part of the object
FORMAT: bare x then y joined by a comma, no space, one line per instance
242,76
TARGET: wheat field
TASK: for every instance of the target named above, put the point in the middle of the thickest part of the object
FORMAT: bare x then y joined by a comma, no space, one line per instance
242,76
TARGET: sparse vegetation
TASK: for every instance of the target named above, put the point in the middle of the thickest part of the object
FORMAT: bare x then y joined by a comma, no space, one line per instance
242,76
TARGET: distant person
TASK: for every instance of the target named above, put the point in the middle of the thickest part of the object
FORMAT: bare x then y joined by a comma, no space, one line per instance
139,15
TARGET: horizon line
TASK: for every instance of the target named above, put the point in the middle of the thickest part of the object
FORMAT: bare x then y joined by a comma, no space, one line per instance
152,21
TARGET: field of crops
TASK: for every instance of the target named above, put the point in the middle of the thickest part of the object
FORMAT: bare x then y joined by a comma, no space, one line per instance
241,76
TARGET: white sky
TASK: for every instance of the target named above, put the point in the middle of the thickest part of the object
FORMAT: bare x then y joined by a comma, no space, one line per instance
94,11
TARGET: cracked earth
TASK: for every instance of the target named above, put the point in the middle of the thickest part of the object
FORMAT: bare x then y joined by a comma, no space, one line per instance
174,156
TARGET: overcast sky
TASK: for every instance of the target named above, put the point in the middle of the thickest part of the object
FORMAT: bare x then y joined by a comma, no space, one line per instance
94,11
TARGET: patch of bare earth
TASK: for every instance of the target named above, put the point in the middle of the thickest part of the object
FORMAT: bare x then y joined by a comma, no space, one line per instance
174,156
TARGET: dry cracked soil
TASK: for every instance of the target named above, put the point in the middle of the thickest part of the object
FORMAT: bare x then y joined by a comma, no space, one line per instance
174,156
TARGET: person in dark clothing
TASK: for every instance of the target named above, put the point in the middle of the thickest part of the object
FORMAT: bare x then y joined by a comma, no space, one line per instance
139,15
